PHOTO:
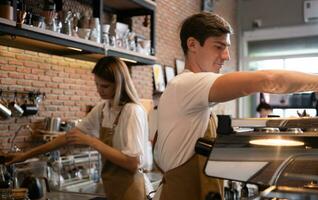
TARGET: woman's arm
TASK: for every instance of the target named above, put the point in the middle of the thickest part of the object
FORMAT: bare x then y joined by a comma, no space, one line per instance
50,146
238,84
115,156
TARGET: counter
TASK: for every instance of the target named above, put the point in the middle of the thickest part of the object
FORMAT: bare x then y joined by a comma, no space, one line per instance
74,196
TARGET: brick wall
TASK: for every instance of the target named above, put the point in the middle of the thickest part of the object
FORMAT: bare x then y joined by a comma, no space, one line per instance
170,14
68,84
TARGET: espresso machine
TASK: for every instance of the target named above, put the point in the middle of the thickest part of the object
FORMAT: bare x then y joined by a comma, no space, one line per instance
278,156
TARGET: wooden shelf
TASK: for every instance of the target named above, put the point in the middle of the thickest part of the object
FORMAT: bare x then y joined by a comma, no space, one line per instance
7,22
36,39
124,5
46,41
130,55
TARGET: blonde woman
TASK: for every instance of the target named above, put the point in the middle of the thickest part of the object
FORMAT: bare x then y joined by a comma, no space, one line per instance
116,127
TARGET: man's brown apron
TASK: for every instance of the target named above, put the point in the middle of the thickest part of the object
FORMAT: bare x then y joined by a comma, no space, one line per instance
119,183
188,181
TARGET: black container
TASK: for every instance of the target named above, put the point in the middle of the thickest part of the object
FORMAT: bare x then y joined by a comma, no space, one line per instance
204,146
29,109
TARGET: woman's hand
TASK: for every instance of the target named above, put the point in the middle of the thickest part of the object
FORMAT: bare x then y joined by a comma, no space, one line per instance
75,136
12,158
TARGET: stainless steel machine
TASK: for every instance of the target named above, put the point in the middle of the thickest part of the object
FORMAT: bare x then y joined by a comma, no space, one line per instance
279,155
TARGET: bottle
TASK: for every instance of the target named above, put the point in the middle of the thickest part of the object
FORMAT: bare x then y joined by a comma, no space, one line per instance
244,191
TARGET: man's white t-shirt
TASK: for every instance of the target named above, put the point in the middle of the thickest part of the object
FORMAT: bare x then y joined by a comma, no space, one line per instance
131,133
183,116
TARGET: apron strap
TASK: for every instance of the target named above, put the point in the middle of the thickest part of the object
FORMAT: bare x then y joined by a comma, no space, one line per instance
116,119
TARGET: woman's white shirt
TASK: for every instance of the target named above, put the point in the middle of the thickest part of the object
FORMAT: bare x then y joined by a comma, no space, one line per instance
131,132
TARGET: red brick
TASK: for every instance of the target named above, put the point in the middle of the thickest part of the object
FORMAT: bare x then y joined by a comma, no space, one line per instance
81,71
3,60
62,74
45,78
30,64
23,57
16,75
8,68
58,103
16,50
31,52
57,68
69,70
45,55
6,81
74,108
39,60
69,103
24,82
24,70
52,85
4,47
51,108
44,66
64,86
38,84
3,74
57,79
75,98
7,54
31,77
15,62
57,91
75,87
51,73
63,63
37,71
75,76
61,97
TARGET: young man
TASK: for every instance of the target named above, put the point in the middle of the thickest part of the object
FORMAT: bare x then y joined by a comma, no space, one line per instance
184,113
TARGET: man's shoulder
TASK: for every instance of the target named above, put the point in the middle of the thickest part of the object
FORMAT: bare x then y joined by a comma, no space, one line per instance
190,79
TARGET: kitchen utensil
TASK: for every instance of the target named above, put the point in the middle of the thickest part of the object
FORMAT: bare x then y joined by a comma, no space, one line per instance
67,23
30,107
95,30
21,14
4,111
38,21
6,10
16,110
53,124
84,33
28,17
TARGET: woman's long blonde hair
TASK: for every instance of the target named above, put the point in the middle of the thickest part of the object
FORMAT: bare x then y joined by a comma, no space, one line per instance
114,70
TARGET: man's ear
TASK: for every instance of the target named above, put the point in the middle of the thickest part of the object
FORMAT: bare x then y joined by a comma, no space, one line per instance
192,44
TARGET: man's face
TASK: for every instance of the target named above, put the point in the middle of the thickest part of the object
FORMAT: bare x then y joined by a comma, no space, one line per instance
105,89
265,112
215,51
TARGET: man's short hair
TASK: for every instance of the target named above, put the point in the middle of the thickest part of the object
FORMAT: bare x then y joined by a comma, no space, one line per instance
201,26
263,105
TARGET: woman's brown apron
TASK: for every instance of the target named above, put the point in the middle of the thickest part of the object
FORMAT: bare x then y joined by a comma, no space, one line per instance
119,183
188,181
